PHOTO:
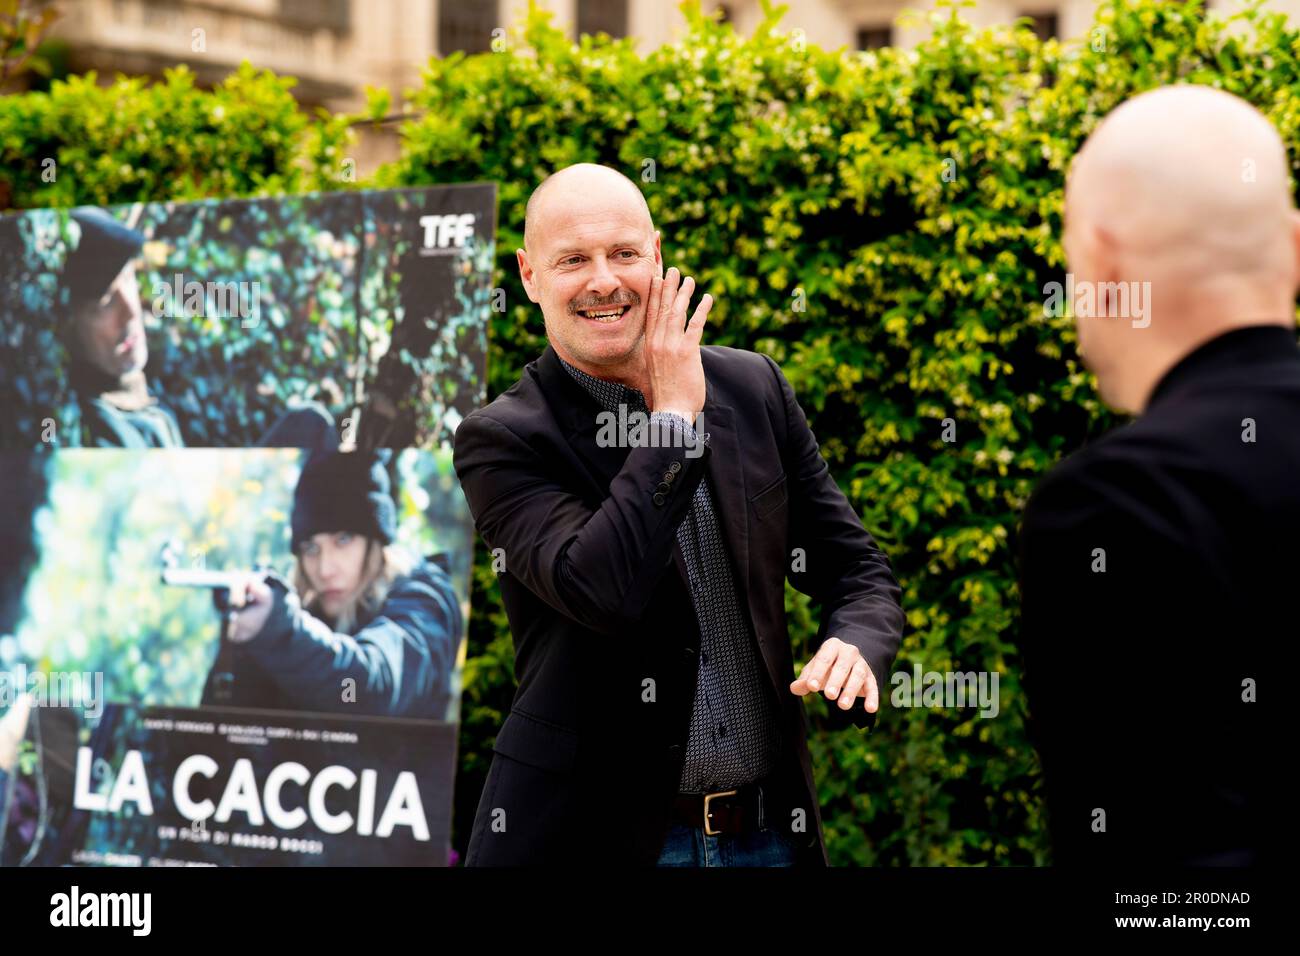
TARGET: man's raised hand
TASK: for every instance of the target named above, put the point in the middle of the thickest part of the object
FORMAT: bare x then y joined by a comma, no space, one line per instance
672,346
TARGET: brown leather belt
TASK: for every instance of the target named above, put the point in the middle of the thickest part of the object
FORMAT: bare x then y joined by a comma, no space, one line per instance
730,811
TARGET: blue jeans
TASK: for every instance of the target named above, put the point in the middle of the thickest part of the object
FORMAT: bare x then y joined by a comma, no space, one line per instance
691,846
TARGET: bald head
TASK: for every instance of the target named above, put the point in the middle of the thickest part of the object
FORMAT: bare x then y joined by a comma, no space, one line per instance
1187,176
578,184
1185,189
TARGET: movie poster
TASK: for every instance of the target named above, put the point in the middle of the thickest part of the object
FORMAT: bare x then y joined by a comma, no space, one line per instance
234,556
130,645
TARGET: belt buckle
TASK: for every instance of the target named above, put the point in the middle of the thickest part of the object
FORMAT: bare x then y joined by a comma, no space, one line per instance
708,812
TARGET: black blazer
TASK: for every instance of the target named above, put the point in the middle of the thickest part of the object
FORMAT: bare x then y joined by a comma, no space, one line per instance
585,765
1136,673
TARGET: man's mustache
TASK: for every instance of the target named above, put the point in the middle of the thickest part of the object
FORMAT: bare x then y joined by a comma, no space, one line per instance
631,298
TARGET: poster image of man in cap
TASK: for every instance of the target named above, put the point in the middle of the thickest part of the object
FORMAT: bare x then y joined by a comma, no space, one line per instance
106,341
108,350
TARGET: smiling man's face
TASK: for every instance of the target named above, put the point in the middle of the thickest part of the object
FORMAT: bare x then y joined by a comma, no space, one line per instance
590,253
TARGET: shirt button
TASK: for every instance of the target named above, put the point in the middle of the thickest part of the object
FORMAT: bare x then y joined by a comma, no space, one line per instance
675,467
659,499
663,488
669,476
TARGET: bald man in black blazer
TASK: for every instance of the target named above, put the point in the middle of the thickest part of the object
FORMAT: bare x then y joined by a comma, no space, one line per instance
658,718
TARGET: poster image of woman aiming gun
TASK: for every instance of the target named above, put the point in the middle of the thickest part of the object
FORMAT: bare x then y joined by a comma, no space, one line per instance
363,628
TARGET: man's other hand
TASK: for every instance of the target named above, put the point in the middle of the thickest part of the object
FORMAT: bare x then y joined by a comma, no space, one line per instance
840,670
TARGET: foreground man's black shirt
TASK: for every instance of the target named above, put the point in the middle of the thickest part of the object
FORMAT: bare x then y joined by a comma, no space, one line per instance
1158,573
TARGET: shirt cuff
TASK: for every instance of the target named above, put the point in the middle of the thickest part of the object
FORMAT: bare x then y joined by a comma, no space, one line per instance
676,422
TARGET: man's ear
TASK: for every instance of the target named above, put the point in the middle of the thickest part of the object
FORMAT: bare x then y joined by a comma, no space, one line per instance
1103,252
1106,247
1295,248
659,259
1095,258
526,274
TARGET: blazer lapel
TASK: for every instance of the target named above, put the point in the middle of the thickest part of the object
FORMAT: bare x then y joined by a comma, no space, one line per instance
727,476
577,413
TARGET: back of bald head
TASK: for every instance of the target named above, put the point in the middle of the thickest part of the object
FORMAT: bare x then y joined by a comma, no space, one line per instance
1187,180
576,184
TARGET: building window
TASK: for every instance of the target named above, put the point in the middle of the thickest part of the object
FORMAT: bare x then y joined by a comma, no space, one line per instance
1044,25
602,16
466,27
333,15
873,38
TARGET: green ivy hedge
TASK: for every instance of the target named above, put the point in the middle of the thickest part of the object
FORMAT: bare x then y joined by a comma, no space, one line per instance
881,223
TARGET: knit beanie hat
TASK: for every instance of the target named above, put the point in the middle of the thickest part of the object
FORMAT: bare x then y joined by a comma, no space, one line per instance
344,491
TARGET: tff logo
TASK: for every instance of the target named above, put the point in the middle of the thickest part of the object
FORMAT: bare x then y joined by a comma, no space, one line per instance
444,234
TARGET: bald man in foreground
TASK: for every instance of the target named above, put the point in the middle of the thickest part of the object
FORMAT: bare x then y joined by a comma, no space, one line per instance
1159,565
645,500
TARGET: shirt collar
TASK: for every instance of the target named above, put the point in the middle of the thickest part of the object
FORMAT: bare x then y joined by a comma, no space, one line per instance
610,395
1244,346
